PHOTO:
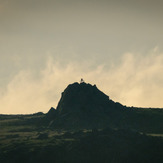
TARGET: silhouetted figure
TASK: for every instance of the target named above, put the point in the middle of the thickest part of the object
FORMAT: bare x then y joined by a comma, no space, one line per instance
81,81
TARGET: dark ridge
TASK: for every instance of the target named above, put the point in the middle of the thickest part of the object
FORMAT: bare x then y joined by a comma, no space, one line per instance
51,113
83,105
81,96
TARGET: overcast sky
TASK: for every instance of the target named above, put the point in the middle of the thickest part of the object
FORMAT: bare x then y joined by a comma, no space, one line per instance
47,44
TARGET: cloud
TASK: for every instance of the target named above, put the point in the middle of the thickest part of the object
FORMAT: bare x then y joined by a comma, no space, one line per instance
136,81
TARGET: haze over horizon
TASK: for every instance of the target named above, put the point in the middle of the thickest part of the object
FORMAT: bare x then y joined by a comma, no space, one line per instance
46,45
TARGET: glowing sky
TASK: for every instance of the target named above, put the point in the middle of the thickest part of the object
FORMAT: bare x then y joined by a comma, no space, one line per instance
47,44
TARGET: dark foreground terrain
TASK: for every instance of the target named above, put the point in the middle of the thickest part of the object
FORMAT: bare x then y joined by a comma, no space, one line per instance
21,141
86,127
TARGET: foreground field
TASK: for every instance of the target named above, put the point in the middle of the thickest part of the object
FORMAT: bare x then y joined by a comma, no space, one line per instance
23,139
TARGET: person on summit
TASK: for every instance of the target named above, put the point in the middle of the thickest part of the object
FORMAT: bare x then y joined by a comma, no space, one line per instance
81,81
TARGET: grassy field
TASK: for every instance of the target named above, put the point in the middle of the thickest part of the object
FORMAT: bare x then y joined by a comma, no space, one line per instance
24,139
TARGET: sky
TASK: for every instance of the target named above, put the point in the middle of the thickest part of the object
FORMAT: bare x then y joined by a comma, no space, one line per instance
47,44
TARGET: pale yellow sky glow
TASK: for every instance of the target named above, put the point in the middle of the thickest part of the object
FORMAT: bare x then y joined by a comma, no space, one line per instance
46,45
136,81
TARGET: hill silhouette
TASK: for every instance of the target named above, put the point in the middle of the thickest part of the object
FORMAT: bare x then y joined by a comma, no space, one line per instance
86,127
83,105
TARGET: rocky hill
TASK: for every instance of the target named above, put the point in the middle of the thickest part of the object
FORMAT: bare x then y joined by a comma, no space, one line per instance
83,105
86,127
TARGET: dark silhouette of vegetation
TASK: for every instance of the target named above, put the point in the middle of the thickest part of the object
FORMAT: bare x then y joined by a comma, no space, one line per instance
90,146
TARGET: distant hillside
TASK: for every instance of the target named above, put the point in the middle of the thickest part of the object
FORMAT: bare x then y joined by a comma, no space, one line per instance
85,106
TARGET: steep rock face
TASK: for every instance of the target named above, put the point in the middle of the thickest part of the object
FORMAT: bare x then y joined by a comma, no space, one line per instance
82,98
83,105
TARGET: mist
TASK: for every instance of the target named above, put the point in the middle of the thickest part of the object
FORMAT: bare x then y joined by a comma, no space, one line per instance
135,81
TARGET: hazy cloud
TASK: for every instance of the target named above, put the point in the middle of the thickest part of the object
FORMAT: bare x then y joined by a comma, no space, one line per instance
137,81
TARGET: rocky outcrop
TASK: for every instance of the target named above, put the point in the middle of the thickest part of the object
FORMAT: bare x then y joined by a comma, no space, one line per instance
83,104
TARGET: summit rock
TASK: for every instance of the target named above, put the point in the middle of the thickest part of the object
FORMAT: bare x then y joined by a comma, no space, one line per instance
83,104
82,97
